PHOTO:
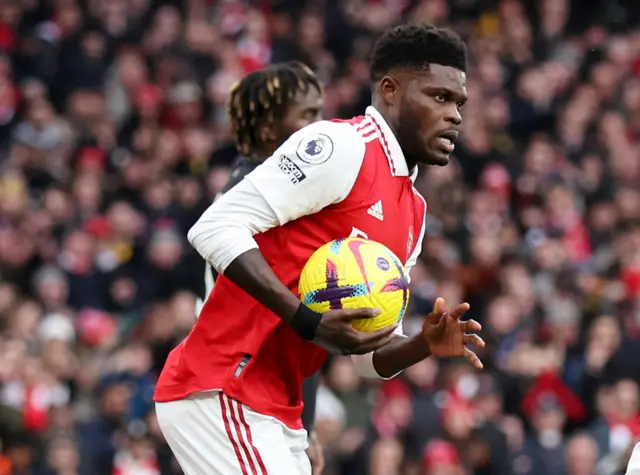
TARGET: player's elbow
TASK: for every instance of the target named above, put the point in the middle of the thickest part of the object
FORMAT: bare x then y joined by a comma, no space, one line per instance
208,233
199,234
192,234
220,239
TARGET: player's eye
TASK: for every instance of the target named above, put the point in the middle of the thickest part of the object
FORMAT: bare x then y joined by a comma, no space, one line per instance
440,98
460,104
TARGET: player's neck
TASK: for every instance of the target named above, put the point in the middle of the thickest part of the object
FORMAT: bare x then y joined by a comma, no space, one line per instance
411,163
382,110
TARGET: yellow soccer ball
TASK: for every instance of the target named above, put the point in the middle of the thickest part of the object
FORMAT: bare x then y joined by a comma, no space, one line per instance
356,273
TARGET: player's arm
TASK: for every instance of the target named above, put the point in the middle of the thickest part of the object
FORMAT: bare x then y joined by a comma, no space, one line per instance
301,178
237,174
284,188
400,354
443,334
387,362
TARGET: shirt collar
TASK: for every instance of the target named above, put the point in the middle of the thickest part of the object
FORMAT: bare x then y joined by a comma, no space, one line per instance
390,145
414,174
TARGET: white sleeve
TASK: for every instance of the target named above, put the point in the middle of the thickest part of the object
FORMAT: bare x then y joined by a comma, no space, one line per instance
363,364
316,167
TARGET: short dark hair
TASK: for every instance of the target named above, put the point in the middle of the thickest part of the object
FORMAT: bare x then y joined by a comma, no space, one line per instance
415,47
264,97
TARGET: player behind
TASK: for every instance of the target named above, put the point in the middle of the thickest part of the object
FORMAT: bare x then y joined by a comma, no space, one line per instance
265,108
229,397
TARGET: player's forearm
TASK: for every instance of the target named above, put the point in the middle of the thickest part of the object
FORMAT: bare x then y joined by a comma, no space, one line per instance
402,353
251,272
224,237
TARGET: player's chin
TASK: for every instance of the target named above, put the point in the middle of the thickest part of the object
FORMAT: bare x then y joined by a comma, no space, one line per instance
438,158
438,152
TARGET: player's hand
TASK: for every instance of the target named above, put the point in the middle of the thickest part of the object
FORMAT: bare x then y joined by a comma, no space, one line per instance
449,336
316,454
336,334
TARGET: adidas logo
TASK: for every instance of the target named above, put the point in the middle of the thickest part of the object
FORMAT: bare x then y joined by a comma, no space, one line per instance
376,210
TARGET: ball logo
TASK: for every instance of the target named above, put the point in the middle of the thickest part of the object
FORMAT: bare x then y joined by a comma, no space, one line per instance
315,149
382,263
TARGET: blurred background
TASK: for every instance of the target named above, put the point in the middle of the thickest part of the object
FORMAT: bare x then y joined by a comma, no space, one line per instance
114,138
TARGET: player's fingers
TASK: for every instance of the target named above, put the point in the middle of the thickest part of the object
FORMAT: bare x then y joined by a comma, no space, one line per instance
349,314
474,340
374,340
374,345
473,358
439,323
439,307
470,326
378,334
460,310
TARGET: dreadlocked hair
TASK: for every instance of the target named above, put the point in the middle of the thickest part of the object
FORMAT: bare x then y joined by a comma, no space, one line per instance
263,97
415,47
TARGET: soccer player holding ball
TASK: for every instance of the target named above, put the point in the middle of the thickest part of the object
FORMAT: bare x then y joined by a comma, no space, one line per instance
262,117
229,397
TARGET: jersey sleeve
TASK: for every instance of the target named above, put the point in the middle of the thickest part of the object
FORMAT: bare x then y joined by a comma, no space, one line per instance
315,168
237,174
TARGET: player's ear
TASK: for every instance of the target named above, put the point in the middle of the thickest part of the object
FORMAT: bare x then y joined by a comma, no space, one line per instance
388,89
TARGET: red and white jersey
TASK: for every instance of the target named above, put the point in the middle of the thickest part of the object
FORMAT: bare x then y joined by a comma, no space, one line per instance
330,180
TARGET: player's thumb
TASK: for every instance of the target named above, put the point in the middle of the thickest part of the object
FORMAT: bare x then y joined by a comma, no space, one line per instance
439,308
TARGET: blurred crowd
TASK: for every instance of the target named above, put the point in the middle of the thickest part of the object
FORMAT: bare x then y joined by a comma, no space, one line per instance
114,138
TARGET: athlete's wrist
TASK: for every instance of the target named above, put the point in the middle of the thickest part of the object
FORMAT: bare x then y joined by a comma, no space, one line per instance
305,322
400,354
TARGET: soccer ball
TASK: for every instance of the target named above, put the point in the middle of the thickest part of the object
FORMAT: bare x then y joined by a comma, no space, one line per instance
356,273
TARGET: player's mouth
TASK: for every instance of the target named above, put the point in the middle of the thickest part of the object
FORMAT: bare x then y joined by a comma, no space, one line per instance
447,140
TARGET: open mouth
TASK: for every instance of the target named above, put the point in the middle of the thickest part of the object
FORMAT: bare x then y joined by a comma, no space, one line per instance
448,140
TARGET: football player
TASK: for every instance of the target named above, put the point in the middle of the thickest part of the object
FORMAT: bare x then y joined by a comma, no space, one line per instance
264,109
229,398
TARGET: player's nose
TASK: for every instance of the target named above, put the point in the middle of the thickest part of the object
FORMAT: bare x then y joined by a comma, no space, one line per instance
453,115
